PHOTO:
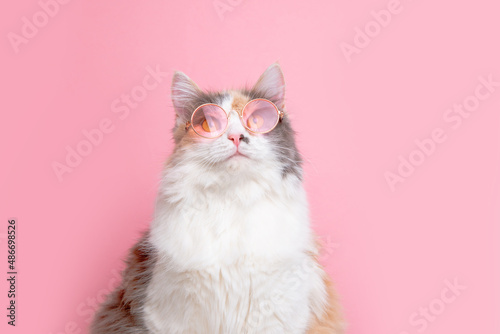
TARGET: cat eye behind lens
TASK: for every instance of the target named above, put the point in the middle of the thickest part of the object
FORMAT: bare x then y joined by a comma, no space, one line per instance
258,116
209,120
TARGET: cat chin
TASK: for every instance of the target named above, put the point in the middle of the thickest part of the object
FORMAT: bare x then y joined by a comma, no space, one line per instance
236,163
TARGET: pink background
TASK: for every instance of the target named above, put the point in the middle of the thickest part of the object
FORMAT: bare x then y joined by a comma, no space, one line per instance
390,252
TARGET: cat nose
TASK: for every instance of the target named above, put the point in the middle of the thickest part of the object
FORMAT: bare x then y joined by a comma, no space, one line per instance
236,138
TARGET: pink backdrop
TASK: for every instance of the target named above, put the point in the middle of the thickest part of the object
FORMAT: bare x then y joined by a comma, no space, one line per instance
397,109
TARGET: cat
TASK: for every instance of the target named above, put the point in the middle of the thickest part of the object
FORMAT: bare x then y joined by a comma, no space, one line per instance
230,249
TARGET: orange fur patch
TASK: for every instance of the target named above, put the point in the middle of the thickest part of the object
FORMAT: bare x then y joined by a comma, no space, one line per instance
239,101
331,321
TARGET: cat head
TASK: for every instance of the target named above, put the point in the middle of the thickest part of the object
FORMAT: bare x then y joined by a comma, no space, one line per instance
237,148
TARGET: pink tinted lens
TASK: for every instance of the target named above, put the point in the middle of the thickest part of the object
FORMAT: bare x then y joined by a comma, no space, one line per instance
209,120
260,116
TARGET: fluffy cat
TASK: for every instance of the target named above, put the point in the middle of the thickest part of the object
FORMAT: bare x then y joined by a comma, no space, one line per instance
230,249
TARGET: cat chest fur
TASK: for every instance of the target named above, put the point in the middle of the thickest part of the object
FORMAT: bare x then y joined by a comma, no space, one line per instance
243,298
230,265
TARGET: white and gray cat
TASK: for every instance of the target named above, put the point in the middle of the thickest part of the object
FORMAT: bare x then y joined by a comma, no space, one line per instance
230,249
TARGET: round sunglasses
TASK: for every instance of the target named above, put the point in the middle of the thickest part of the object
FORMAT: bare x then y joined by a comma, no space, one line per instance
258,116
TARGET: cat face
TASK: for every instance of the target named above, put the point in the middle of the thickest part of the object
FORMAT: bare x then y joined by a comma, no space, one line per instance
237,147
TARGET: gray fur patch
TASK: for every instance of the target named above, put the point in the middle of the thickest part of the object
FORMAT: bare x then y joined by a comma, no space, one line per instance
282,140
245,140
122,312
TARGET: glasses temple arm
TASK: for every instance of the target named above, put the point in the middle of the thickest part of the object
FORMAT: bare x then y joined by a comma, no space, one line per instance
281,114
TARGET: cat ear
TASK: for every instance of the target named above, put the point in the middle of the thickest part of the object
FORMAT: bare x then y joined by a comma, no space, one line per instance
272,84
184,90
